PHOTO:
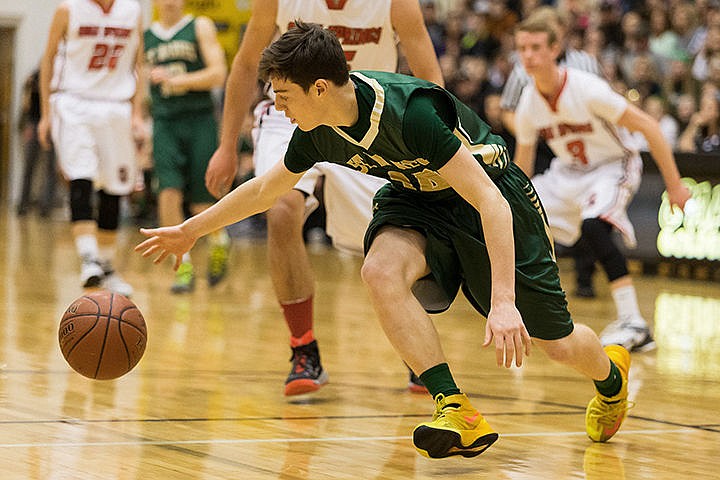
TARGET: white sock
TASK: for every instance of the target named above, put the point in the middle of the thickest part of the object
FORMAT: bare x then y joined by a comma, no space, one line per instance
626,302
107,253
87,247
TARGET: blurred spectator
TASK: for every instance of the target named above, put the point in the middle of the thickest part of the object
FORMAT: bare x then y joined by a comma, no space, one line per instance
578,14
685,107
434,27
655,107
478,39
684,22
635,36
471,83
454,31
609,18
714,71
33,154
702,135
644,76
664,43
711,46
501,18
678,81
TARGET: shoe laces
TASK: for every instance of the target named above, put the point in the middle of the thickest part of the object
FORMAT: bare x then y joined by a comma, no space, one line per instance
607,414
442,408
304,358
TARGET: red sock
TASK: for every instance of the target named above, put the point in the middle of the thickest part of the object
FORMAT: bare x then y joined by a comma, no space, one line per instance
299,318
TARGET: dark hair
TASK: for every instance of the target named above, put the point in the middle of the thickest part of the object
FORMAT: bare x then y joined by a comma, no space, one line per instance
303,54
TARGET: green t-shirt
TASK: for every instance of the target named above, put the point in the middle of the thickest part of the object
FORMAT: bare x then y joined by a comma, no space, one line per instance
407,129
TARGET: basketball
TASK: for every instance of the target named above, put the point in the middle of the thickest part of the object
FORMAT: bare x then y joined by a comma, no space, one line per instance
102,335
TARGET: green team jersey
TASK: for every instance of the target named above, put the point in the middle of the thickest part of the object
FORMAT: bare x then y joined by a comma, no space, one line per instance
176,49
407,129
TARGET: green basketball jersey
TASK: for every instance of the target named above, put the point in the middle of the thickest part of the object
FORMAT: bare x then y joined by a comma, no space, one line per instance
381,143
177,50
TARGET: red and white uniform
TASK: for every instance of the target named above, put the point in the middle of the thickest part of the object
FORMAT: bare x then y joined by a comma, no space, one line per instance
368,39
597,168
94,79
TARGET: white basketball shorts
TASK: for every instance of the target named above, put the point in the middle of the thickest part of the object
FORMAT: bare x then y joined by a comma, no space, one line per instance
570,196
93,140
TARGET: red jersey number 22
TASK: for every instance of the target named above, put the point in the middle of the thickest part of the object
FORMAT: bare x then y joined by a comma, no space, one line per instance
105,55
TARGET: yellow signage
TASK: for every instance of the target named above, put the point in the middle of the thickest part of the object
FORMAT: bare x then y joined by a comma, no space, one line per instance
230,18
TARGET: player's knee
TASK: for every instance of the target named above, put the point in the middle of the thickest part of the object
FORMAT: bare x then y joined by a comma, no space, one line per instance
108,211
287,214
598,234
557,350
373,274
81,200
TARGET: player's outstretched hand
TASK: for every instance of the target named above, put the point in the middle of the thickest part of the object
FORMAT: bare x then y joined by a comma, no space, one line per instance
512,340
165,241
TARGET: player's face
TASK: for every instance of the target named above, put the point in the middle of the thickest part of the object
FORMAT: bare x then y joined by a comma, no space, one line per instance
170,7
535,50
301,107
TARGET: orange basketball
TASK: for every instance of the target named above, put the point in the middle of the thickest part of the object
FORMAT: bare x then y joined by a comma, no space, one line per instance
102,335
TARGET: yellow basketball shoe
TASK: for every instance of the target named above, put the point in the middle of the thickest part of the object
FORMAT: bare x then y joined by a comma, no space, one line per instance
604,415
456,429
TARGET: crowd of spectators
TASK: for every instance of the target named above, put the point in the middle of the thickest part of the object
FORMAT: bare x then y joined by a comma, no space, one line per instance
663,55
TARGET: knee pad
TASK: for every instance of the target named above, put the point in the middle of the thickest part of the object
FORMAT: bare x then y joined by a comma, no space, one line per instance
598,234
108,211
81,200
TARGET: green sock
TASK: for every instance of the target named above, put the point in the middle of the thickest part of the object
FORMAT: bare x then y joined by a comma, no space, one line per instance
612,384
438,379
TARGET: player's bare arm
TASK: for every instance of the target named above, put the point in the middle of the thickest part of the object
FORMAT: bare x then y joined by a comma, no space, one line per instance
58,29
239,95
408,23
250,198
504,323
635,119
138,122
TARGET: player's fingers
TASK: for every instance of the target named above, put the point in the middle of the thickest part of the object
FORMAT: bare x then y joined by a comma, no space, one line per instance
147,244
499,351
150,250
509,352
518,342
161,257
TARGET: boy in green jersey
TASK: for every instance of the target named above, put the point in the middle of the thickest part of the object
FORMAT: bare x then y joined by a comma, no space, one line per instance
185,62
456,214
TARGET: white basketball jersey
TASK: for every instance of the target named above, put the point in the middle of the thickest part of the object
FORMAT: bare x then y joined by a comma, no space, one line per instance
579,127
362,26
97,57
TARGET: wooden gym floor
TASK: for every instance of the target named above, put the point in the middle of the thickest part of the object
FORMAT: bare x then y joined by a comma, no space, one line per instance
206,400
